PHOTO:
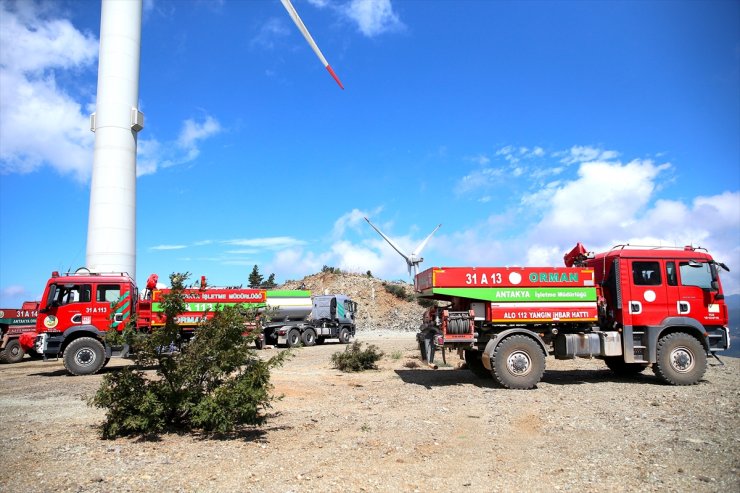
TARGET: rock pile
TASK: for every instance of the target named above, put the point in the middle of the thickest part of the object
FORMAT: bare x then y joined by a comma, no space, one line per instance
379,308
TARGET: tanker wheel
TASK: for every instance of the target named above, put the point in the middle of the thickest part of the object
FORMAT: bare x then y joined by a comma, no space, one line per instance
294,338
475,363
84,356
619,367
309,337
344,335
681,359
13,352
518,363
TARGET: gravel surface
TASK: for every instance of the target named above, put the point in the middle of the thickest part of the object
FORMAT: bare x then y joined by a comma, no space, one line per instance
404,427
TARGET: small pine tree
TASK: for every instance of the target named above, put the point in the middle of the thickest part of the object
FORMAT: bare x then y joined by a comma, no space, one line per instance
270,282
255,278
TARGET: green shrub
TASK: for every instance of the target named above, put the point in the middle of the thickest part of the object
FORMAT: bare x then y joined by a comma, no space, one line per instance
214,383
398,291
353,358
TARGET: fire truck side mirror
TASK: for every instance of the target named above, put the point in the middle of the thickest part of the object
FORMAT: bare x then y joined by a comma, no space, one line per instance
714,286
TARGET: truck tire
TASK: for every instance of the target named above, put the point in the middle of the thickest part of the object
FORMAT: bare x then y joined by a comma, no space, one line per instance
12,353
84,356
622,369
259,343
681,359
475,364
344,335
294,337
518,363
308,337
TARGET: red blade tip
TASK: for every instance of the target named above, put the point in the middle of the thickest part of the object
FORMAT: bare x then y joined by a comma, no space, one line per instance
331,71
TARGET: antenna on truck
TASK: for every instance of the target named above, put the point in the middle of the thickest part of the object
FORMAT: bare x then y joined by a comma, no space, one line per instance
412,260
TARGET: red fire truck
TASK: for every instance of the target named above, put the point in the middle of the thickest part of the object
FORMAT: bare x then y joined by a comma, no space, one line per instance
633,307
78,309
14,322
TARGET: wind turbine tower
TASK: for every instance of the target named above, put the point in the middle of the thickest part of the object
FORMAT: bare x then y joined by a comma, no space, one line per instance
111,228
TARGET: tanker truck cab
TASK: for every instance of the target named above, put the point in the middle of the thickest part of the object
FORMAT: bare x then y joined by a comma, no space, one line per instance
75,313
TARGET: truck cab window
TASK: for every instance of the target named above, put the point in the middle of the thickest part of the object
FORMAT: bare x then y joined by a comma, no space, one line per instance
670,273
692,275
109,293
75,293
646,273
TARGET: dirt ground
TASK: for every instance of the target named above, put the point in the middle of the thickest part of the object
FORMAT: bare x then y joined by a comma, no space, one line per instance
400,428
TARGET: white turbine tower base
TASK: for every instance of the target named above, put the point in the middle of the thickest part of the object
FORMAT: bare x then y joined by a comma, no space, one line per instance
413,259
111,229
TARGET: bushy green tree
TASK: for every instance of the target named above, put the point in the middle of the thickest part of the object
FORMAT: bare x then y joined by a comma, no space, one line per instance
214,383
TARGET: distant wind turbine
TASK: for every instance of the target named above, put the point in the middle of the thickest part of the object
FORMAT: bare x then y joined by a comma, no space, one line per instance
413,259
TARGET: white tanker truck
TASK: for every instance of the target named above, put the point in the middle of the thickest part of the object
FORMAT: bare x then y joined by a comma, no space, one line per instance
295,317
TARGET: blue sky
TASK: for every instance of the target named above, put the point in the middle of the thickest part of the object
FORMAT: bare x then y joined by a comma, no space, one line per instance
522,127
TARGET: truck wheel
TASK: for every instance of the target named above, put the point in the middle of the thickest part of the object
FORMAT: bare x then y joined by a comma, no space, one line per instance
259,343
622,369
344,335
13,352
518,363
309,337
681,359
294,337
84,356
475,364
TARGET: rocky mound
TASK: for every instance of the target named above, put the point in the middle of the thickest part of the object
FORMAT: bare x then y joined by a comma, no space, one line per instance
379,307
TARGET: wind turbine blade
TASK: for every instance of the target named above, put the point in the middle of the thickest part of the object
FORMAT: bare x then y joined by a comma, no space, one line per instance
302,27
424,243
390,242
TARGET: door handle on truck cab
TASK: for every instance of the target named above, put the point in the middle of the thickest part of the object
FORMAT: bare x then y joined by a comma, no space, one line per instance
118,317
683,307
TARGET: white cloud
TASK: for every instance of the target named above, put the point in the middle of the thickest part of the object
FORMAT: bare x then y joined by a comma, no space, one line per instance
607,203
273,243
353,219
272,29
193,132
479,179
605,196
584,154
40,122
153,155
373,17
168,247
